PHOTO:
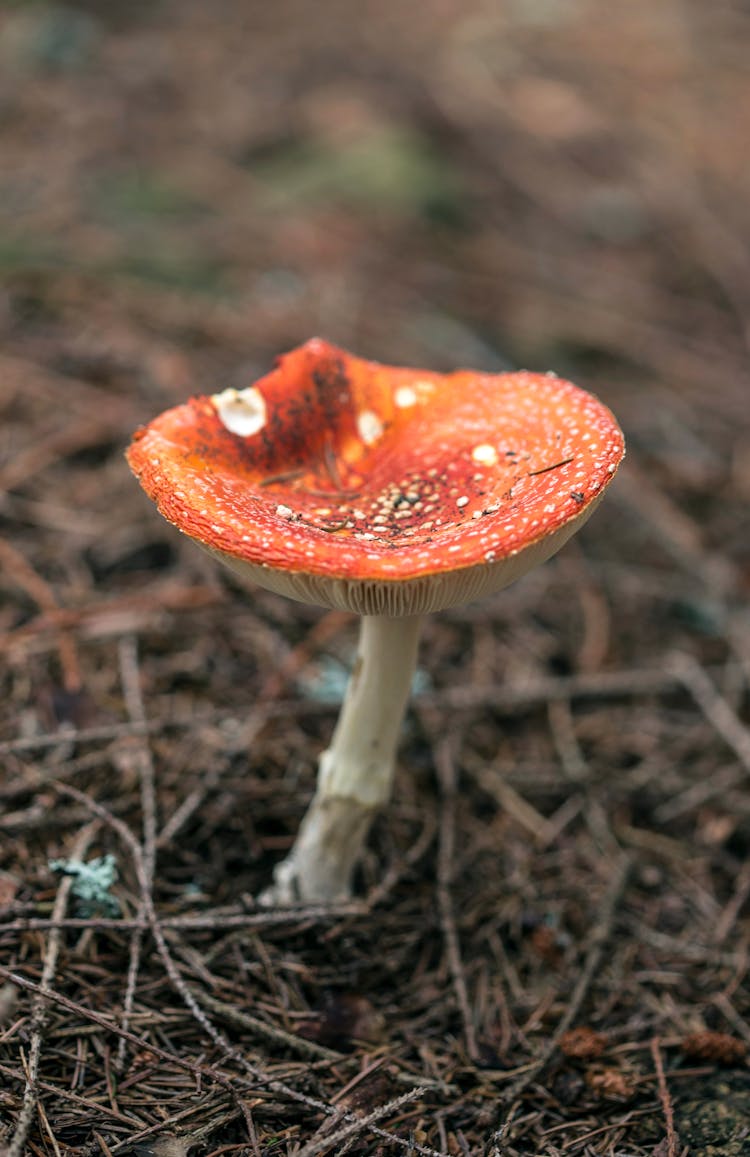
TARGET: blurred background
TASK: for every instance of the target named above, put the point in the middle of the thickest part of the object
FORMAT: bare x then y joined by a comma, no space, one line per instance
188,188
541,181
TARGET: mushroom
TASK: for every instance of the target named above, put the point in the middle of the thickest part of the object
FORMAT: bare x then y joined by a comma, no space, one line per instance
388,492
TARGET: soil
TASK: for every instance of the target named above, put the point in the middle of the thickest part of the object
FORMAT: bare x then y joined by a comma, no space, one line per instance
548,949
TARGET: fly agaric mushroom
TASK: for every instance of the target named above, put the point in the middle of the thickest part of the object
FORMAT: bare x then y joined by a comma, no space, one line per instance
388,492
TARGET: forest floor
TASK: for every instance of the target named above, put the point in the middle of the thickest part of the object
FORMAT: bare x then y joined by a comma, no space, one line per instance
549,948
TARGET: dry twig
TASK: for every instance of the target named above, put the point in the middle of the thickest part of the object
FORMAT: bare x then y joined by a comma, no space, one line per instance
130,677
664,1097
445,764
17,1144
24,575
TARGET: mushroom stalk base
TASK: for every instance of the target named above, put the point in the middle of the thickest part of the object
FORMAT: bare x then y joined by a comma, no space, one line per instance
356,772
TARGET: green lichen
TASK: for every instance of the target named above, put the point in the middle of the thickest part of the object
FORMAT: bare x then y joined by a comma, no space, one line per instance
91,885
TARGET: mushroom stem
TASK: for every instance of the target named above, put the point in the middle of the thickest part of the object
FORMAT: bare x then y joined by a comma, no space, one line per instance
356,772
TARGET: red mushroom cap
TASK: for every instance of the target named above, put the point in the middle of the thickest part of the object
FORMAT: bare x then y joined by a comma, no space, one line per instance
376,488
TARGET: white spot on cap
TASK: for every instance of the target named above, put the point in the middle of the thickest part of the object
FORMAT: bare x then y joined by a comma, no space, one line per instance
369,427
405,396
284,512
485,454
243,412
420,390
462,501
